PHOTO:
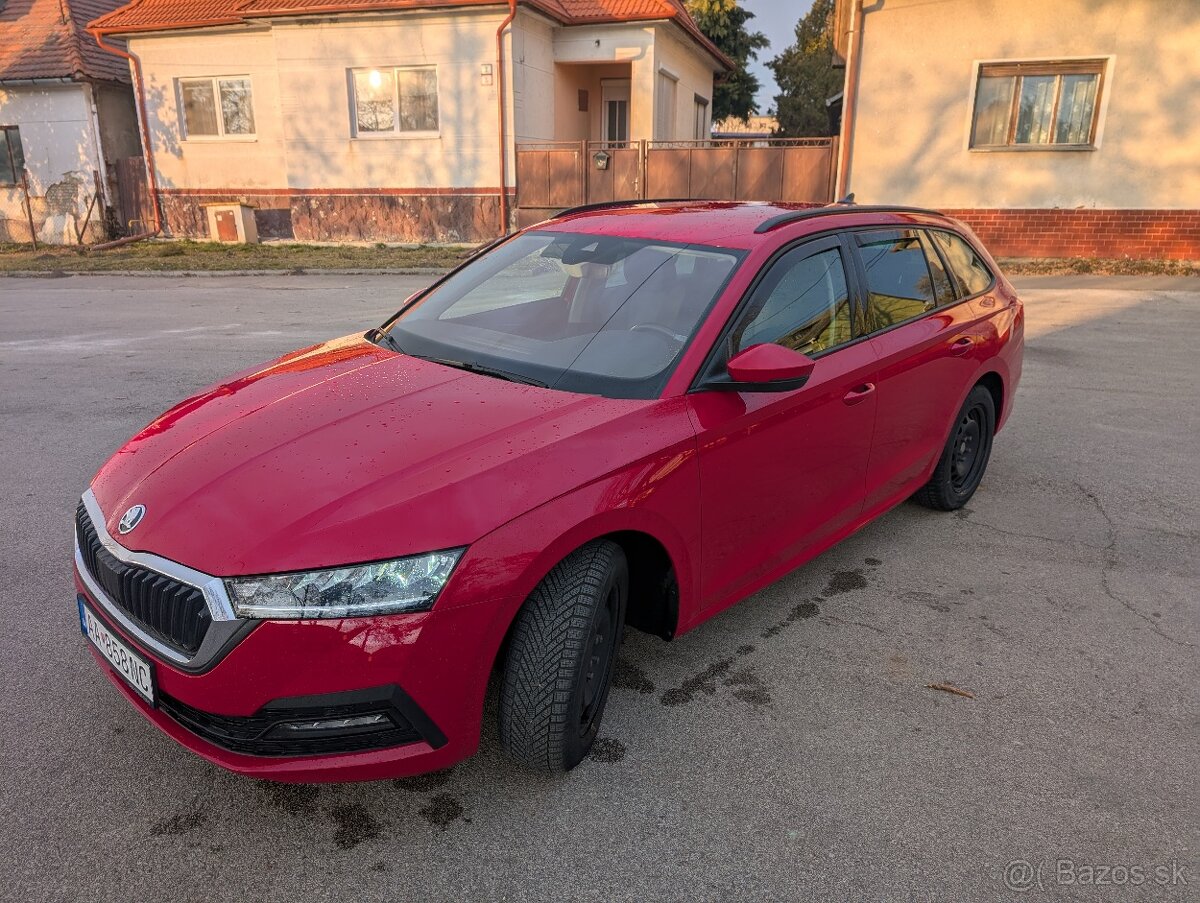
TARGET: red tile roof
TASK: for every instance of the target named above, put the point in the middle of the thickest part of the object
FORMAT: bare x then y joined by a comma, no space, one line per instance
166,15
46,39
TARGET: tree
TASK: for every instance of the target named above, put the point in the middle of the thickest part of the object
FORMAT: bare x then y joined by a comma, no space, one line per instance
805,75
725,24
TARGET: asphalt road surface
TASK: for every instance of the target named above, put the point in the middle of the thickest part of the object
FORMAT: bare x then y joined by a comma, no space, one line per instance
788,749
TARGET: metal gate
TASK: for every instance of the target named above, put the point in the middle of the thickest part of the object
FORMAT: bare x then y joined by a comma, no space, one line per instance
553,176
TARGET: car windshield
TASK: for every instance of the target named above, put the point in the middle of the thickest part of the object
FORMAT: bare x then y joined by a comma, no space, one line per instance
598,314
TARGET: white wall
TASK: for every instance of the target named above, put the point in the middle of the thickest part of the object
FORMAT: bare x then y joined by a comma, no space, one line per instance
59,140
914,114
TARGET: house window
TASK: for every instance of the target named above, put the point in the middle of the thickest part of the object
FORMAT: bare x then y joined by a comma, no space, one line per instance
700,128
216,107
666,102
1050,105
395,101
12,155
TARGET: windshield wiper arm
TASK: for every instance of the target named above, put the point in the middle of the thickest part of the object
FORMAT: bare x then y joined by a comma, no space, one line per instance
379,337
483,370
387,338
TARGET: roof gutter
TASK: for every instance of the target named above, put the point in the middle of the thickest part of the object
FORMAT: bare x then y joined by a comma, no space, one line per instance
139,90
501,114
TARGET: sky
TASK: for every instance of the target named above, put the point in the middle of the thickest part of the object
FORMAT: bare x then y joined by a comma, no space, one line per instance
777,20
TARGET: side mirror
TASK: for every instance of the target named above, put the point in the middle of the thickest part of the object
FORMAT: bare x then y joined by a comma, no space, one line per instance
765,368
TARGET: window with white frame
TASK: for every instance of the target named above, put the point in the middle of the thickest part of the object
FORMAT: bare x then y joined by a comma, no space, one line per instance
666,102
217,107
1047,104
394,101
700,128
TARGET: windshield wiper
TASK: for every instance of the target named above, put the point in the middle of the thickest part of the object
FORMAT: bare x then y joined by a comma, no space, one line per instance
483,370
388,339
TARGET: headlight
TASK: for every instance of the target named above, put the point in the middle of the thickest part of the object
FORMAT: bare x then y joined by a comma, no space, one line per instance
382,588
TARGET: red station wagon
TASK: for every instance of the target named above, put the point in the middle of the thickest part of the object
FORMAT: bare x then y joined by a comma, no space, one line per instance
631,414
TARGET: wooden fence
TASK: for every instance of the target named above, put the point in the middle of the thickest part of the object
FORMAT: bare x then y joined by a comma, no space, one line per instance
553,176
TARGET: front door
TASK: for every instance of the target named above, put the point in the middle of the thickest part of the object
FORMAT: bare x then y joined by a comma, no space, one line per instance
615,112
781,472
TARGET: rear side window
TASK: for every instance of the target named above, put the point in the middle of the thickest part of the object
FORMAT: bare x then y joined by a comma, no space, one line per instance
802,303
972,273
943,288
899,283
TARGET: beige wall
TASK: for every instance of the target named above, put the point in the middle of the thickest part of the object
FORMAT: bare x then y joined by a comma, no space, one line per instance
182,162
673,53
299,71
919,67
302,105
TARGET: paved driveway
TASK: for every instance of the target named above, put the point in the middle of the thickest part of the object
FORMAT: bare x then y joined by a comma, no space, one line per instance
787,749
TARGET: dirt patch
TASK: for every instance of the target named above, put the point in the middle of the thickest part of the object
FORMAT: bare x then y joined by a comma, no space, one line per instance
354,824
180,823
628,676
442,810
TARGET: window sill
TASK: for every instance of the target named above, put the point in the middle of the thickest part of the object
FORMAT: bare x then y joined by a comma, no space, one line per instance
220,139
1034,148
395,136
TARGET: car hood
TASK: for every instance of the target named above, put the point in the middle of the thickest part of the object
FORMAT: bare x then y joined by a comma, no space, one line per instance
346,452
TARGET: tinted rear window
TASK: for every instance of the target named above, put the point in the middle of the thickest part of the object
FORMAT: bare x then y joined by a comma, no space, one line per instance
973,274
898,277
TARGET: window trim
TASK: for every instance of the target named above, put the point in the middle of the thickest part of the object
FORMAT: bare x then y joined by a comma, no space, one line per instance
715,361
214,80
1057,67
6,149
861,275
396,133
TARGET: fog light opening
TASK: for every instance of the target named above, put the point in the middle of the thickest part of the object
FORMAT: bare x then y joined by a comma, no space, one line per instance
322,727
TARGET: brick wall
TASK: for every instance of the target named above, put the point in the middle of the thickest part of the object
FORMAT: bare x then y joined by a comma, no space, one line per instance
1087,232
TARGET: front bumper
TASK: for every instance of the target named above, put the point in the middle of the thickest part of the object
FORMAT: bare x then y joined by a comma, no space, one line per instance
438,662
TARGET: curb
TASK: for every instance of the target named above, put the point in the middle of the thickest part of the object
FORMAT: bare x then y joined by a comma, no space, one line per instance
297,271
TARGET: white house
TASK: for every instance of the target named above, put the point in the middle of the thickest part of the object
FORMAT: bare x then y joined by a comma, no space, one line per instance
66,117
396,119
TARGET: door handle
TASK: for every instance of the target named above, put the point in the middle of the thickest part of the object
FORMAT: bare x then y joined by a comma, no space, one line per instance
962,346
862,393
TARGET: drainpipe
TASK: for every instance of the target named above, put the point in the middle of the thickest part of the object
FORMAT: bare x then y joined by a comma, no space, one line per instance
500,108
850,98
139,91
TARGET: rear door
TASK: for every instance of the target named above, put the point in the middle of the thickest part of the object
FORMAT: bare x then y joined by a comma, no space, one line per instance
782,471
925,335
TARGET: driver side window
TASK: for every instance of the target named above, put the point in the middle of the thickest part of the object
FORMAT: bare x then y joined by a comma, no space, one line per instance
802,304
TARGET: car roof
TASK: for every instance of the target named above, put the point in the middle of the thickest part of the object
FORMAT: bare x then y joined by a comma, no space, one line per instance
730,224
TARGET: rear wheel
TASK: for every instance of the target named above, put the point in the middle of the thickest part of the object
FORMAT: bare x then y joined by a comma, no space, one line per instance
560,659
960,469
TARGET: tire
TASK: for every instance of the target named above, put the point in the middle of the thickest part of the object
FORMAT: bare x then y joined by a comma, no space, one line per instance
560,660
965,457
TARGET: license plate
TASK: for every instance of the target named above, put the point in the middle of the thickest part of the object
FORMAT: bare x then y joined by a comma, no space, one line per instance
134,670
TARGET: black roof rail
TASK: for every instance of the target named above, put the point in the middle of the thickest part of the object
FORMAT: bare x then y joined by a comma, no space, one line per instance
637,202
843,206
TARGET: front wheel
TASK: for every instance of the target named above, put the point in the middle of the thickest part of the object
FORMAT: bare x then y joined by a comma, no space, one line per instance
560,660
960,469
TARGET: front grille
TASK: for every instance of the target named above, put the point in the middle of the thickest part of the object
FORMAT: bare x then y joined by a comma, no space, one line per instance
251,734
172,612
